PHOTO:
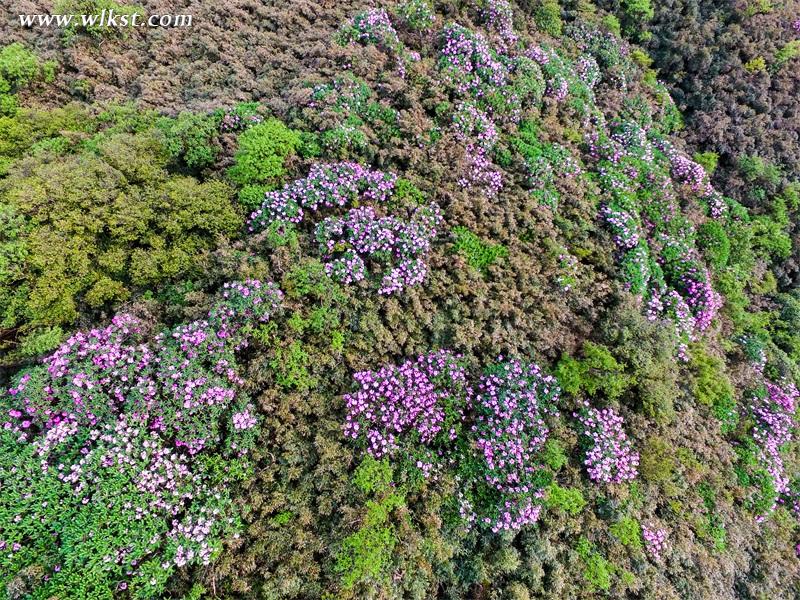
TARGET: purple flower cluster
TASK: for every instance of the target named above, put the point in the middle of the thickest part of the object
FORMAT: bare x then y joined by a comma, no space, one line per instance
624,226
692,174
695,285
116,420
470,63
327,185
347,243
422,408
372,26
515,513
499,16
473,125
418,405
655,541
558,73
235,122
513,401
480,173
796,25
610,457
774,414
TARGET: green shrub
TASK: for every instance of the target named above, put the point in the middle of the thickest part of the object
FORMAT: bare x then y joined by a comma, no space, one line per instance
755,65
628,532
598,569
18,67
711,387
548,17
789,51
251,197
714,243
190,138
291,367
96,225
708,160
263,150
755,168
366,554
597,372
637,14
569,500
553,454
480,255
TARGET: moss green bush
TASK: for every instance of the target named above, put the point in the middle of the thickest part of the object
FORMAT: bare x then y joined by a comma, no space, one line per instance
480,255
94,226
262,153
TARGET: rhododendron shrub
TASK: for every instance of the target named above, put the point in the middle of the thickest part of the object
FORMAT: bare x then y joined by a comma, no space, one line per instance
119,449
427,414
655,242
610,457
399,246
326,186
773,408
513,402
361,242
413,411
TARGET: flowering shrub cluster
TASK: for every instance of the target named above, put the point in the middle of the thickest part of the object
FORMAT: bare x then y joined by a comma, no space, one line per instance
492,433
349,243
655,242
610,457
418,14
401,246
499,17
328,186
774,410
372,26
417,406
118,450
513,401
472,66
233,121
655,541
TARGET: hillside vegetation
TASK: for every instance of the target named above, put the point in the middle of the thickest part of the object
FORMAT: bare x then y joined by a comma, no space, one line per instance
478,299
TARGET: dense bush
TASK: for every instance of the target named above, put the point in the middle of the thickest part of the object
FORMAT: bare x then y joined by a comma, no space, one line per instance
118,453
93,226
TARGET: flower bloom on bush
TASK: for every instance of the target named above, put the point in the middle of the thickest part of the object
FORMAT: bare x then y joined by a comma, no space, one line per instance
235,122
120,429
327,185
401,245
513,401
499,16
610,457
372,26
473,125
774,412
655,541
470,63
418,406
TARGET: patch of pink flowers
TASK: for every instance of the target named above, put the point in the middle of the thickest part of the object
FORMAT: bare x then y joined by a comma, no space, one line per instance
326,186
398,245
418,406
610,457
655,541
774,412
